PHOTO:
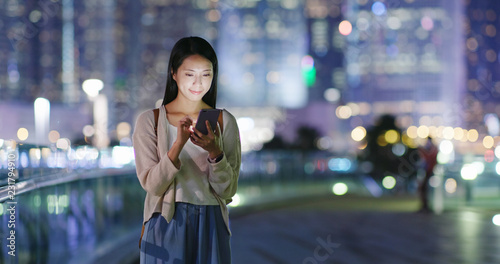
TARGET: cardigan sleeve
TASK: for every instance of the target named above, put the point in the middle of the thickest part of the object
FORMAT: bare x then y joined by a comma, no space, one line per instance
223,175
155,173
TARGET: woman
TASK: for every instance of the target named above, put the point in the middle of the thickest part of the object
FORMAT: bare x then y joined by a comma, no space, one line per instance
188,177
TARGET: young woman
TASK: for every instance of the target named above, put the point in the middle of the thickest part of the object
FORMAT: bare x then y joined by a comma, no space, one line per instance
188,177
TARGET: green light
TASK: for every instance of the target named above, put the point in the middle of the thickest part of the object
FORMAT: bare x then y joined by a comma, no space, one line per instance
308,70
309,76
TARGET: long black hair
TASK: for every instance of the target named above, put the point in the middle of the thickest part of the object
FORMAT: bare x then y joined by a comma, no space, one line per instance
184,48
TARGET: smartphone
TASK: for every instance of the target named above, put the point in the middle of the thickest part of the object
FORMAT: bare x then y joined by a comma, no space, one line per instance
212,115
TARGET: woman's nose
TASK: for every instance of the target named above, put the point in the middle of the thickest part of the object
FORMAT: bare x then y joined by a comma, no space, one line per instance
197,80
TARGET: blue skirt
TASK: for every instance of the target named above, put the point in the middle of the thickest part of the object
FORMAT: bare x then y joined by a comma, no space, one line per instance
196,234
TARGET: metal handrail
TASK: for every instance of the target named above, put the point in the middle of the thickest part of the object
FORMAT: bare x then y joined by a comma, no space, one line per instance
59,178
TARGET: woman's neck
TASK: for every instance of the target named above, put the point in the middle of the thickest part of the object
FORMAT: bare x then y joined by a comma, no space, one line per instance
185,106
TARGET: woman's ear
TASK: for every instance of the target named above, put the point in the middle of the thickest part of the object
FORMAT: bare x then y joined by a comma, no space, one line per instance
174,76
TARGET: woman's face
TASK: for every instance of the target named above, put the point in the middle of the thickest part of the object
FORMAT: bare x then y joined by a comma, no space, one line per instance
194,77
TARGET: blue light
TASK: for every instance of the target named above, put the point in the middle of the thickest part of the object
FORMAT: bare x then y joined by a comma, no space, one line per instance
378,8
339,164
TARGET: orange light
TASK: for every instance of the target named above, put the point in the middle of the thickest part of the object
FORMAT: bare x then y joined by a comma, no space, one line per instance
345,27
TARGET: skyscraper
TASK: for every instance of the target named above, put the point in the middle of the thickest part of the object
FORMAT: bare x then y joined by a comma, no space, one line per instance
403,57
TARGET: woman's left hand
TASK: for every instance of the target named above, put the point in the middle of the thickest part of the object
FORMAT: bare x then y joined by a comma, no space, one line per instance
209,142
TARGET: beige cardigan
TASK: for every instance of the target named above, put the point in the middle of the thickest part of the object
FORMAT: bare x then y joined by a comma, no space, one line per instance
157,173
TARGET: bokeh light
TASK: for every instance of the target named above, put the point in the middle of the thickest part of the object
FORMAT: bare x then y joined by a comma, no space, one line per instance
488,142
391,136
450,185
358,133
22,134
54,136
496,220
345,28
389,182
340,188
468,172
378,8
472,135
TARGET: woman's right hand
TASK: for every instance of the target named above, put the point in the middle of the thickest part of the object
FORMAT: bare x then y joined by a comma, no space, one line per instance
184,130
183,134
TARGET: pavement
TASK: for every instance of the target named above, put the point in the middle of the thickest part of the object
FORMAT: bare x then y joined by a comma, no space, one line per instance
289,225
358,230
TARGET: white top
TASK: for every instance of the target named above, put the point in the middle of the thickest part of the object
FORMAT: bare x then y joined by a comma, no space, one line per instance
191,185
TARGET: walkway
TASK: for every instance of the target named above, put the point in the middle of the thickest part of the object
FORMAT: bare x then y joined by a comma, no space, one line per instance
355,230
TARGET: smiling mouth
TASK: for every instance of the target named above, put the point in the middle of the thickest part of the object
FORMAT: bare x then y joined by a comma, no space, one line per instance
195,92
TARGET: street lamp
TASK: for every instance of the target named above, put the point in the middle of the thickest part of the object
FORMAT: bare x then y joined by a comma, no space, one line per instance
100,111
92,87
42,119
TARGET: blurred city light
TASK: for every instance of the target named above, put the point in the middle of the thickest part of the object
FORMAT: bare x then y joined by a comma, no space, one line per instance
245,123
423,131
237,201
412,132
378,8
469,172
389,182
496,220
472,135
92,87
308,70
478,166
450,185
343,112
358,133
122,155
123,130
391,136
22,134
492,123
332,95
54,136
345,28
489,155
488,142
88,131
63,143
340,188
309,168
399,149
324,143
446,147
42,120
339,164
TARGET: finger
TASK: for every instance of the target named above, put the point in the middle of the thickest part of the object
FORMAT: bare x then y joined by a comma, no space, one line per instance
210,130
217,130
185,122
198,133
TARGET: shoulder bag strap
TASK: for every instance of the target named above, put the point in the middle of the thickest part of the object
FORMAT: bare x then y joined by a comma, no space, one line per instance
157,114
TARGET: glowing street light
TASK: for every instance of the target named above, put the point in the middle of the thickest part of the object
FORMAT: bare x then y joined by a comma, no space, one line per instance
92,87
42,119
100,111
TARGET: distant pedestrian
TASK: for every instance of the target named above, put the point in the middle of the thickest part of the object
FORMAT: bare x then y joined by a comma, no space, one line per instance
188,176
428,153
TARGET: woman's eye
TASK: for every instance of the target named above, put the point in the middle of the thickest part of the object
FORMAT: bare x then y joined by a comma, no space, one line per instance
188,74
207,75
